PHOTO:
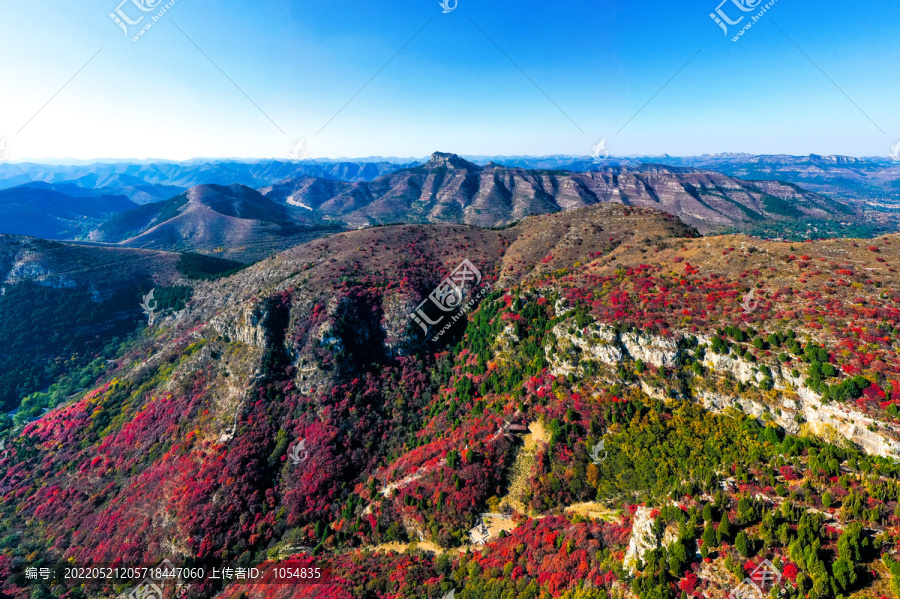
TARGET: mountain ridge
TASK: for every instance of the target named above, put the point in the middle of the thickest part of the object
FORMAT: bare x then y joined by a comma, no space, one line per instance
448,188
233,221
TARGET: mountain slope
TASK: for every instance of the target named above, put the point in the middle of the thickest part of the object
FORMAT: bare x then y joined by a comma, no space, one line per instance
39,211
450,189
234,221
63,305
296,409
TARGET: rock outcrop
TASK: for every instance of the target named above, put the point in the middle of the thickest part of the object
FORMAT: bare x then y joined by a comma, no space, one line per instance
644,538
791,403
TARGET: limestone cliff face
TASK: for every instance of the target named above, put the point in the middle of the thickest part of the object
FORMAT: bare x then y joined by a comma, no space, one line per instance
832,422
791,403
650,349
247,326
643,538
322,338
601,343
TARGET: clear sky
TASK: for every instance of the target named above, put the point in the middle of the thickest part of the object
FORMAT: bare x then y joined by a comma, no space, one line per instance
473,81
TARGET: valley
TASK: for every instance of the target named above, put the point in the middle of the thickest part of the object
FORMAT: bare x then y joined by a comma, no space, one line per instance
293,408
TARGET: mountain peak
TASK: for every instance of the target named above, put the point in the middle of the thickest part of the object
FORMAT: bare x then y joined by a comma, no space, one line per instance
448,160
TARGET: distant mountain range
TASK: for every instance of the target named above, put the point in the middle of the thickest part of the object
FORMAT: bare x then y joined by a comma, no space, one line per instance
247,210
150,182
43,210
144,182
450,189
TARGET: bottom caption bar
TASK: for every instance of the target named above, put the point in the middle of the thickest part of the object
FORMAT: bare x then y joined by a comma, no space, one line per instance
289,572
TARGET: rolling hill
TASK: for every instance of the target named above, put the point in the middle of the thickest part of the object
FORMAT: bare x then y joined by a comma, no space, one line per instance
233,222
64,306
41,211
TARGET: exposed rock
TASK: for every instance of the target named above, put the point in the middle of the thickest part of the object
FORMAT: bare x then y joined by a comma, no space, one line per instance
248,327
794,403
659,351
573,347
643,538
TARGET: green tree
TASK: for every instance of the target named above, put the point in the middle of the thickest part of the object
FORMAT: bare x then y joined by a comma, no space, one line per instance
709,536
723,532
678,559
742,544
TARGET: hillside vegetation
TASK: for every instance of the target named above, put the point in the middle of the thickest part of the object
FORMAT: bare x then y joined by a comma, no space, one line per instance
294,408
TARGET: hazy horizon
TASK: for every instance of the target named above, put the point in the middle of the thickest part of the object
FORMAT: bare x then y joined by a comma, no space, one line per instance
69,161
511,78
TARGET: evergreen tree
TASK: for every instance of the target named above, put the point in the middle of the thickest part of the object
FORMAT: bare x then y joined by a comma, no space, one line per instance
723,532
742,544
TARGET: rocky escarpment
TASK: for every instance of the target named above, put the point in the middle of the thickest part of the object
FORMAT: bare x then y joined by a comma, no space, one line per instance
250,325
790,403
448,189
644,538
571,348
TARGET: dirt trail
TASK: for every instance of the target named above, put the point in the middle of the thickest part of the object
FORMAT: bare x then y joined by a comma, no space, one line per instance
591,509
522,467
404,547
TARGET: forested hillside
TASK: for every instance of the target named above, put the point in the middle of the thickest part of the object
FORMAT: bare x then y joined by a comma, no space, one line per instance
629,409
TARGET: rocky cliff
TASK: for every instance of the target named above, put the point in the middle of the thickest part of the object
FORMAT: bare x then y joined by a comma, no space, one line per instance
791,403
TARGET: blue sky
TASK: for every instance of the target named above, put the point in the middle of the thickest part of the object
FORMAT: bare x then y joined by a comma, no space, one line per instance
451,88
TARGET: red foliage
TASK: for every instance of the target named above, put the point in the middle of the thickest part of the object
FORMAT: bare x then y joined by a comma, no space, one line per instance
788,473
